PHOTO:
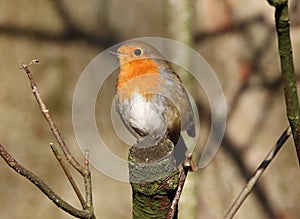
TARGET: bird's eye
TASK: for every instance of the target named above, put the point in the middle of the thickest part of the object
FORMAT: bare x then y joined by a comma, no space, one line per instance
138,52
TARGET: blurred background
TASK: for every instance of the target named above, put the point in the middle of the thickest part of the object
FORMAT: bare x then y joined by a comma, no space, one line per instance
236,37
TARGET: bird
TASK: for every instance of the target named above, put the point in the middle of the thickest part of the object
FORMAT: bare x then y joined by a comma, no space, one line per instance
151,98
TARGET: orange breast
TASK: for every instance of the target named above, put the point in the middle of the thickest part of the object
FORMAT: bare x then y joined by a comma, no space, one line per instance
139,76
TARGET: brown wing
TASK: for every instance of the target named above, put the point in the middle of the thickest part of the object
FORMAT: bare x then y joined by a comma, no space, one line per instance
176,92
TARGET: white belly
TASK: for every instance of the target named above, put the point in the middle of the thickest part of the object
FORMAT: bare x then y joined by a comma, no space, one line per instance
145,116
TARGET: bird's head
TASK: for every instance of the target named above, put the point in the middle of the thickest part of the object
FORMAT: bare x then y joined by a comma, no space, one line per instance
134,50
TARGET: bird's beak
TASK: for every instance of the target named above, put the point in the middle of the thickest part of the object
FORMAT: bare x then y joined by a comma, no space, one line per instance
116,53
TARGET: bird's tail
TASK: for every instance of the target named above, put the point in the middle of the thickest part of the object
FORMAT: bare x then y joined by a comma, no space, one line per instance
180,151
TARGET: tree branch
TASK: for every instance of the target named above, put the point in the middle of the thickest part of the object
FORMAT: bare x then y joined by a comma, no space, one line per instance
287,68
88,186
154,179
88,211
48,117
183,171
59,202
68,174
257,174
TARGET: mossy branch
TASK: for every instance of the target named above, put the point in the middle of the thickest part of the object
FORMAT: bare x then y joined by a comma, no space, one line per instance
287,68
156,180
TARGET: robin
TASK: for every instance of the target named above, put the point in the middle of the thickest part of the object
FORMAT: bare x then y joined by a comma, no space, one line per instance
150,97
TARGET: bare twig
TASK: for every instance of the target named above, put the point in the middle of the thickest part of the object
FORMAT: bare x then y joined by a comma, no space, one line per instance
88,183
259,171
50,121
82,169
58,201
68,174
182,177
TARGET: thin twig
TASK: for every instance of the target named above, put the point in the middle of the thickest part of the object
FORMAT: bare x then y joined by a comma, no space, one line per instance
68,174
257,174
88,186
58,201
182,177
87,179
51,122
83,170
